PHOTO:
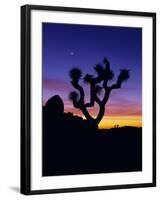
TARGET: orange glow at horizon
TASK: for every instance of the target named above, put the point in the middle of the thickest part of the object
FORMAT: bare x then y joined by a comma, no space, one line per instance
111,121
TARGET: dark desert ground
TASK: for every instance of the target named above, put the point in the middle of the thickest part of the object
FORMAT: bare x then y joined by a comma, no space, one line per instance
72,146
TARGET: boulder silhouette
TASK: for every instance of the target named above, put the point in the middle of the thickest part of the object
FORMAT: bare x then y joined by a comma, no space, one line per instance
55,105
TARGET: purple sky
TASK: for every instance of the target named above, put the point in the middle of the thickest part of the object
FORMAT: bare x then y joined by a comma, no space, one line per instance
66,46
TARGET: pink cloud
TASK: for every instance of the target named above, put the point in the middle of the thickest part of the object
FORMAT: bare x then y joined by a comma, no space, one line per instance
55,84
118,104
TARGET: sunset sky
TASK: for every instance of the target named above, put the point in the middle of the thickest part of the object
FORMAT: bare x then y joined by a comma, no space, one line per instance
66,46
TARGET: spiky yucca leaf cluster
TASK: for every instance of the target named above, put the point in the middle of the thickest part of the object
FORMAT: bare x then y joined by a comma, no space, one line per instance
99,70
109,73
124,75
106,62
105,73
75,73
88,78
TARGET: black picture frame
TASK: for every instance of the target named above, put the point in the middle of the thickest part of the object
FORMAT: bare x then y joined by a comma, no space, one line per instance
25,187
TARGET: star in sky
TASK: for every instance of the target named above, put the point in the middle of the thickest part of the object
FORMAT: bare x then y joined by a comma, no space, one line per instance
72,53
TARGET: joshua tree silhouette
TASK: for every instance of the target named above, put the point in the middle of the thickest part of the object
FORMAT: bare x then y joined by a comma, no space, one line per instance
103,75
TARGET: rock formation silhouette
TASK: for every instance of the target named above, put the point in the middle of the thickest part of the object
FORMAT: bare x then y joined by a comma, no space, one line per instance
55,105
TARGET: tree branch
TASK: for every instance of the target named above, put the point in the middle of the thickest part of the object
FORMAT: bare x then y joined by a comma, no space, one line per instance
80,103
77,86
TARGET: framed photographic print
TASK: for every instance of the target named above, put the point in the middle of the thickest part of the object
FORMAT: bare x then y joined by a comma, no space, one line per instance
88,99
